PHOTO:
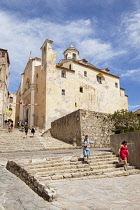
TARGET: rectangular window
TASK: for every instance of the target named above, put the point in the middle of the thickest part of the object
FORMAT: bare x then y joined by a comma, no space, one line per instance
81,89
74,56
85,73
63,74
116,84
63,92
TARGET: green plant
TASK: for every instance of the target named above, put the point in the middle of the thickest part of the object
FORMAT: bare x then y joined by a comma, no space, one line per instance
125,120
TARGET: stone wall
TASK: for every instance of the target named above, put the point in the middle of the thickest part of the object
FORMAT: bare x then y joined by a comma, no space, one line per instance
28,177
133,139
67,128
73,127
97,126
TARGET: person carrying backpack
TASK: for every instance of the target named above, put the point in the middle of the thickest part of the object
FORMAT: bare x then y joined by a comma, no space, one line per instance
32,130
26,130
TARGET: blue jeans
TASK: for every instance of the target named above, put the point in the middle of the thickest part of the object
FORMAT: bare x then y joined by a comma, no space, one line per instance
86,153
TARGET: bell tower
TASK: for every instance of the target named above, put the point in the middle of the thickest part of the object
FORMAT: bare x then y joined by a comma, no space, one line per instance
71,53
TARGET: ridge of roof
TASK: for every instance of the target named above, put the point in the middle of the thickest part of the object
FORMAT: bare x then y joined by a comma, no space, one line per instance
64,68
95,68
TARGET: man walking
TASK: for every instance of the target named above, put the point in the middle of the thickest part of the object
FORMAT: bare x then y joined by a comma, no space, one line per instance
86,149
26,130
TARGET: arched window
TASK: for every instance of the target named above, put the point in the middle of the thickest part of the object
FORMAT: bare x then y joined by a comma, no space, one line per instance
63,92
100,78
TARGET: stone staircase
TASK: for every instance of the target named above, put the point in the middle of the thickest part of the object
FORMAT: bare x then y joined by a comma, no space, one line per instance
16,141
100,165
38,174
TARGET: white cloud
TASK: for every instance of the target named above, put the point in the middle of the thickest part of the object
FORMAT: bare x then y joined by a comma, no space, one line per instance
132,74
20,37
132,107
98,51
131,28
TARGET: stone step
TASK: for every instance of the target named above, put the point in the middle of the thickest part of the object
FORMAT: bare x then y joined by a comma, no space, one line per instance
65,175
67,165
99,176
39,174
61,161
102,159
16,141
118,173
102,154
72,169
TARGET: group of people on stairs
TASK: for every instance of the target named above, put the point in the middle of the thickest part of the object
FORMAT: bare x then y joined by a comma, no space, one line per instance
123,152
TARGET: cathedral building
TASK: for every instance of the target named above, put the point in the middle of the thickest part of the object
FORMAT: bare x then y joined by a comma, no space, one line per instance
50,90
4,75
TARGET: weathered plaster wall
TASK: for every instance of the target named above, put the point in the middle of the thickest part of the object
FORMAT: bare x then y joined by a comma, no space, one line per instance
40,97
52,91
33,94
133,139
27,75
105,97
57,105
17,112
80,123
4,75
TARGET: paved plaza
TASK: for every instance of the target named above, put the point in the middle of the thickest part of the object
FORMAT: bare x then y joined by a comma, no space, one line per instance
103,194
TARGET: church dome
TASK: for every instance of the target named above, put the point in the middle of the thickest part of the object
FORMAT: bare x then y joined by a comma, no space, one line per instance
71,48
71,53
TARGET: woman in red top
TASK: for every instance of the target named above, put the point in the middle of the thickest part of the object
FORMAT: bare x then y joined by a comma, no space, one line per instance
123,153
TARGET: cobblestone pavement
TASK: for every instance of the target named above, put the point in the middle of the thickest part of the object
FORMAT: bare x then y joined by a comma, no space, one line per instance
98,194
120,193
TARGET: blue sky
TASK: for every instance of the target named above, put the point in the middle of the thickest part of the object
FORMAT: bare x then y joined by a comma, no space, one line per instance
106,33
